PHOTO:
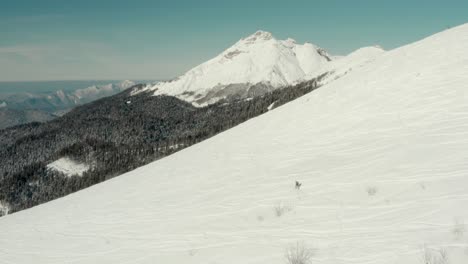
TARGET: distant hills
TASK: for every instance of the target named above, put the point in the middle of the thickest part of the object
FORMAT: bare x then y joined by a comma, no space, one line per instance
25,107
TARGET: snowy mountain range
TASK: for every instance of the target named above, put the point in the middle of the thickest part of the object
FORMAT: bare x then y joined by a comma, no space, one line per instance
255,65
381,155
61,99
25,107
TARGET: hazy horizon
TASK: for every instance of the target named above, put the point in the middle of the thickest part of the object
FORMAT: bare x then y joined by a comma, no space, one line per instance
11,87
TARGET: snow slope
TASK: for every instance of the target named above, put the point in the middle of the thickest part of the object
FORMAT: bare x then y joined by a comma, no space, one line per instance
343,65
381,154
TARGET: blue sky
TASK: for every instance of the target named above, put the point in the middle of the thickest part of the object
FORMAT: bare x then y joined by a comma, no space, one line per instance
72,40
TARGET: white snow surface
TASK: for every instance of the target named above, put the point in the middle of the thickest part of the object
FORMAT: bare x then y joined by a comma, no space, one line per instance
68,167
382,155
343,65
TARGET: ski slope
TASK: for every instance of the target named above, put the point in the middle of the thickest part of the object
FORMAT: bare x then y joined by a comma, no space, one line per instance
382,155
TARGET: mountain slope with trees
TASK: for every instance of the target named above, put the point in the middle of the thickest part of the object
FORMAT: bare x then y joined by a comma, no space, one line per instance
115,135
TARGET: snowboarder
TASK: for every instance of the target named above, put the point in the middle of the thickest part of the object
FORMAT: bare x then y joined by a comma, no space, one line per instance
298,185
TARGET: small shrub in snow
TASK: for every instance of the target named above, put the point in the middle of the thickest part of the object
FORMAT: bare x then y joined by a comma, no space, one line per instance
281,209
371,191
299,254
192,252
422,185
459,229
435,256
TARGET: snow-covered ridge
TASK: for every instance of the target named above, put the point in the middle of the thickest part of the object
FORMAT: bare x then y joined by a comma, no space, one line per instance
340,66
257,59
99,90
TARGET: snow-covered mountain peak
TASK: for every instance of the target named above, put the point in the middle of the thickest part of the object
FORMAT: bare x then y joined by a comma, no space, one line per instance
258,36
102,90
257,59
126,84
378,47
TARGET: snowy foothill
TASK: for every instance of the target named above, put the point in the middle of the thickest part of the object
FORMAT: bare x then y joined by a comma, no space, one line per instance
69,167
380,156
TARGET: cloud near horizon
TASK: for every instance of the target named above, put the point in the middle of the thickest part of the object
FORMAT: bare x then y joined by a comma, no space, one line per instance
70,60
